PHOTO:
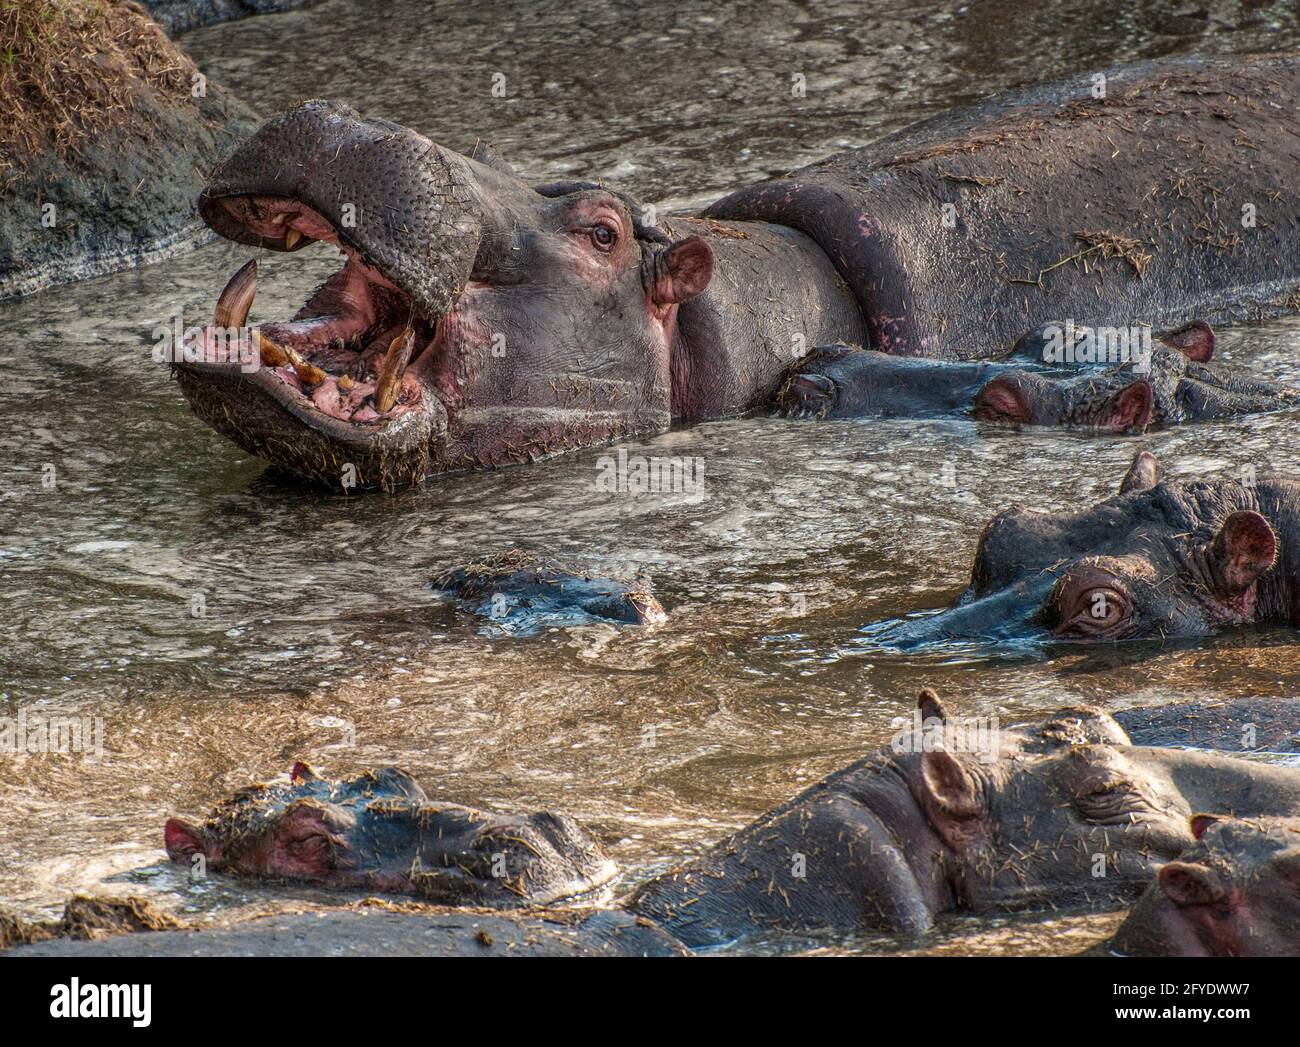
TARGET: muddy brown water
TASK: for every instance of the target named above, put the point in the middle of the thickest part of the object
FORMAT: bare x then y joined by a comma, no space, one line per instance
218,624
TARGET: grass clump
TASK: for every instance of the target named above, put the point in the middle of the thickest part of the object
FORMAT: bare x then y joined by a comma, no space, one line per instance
73,69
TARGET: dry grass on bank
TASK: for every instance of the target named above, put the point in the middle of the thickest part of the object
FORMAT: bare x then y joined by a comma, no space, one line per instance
72,69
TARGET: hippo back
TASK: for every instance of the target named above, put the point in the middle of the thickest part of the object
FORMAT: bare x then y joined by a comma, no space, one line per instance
1137,195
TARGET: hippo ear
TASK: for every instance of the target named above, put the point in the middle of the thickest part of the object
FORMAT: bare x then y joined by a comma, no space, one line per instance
1195,341
930,706
1130,408
1244,548
1142,475
949,790
303,772
1187,883
183,840
1201,822
682,271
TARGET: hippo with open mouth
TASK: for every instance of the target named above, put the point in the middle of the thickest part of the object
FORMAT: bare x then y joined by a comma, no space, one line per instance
479,321
1161,559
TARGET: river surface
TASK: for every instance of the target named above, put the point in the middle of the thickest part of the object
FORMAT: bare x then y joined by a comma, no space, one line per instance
219,623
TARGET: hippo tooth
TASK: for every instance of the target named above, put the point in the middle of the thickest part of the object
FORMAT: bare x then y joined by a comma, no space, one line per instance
236,297
310,374
395,361
291,237
270,354
278,355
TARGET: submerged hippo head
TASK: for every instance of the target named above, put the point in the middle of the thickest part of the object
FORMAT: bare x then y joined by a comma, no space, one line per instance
1160,559
520,592
377,831
1133,383
475,321
1166,380
1236,892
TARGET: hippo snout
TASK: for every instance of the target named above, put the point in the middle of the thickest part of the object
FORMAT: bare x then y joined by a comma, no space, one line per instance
406,205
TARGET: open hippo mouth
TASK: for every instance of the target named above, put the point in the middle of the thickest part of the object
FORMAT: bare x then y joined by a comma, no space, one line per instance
358,365
356,388
476,322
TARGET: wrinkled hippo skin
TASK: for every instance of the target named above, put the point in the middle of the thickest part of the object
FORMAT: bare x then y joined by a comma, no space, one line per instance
479,321
1157,560
890,841
381,933
180,16
378,831
1236,892
520,593
116,203
1170,382
86,919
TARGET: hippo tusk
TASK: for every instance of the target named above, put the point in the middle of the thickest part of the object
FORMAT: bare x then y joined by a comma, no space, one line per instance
398,356
236,297
291,237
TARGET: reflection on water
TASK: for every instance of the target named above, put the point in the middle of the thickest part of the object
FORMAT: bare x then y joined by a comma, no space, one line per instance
222,624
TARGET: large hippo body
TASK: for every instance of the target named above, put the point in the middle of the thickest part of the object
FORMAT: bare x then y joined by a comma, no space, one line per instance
1167,159
1066,814
542,319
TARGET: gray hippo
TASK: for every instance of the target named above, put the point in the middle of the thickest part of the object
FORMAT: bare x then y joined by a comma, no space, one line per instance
1157,560
1065,814
378,831
1061,813
521,592
479,321
1044,381
1235,892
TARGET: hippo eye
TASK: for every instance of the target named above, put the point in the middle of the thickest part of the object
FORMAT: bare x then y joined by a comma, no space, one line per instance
1111,800
603,237
1094,610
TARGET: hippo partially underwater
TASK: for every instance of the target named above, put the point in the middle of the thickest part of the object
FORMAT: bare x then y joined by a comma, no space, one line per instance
1061,375
1236,892
1160,559
480,321
1065,813
378,831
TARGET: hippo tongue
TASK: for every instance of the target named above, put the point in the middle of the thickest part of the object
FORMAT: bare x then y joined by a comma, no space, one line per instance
406,207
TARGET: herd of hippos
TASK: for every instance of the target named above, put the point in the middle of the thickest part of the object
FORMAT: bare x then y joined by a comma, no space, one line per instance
978,264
